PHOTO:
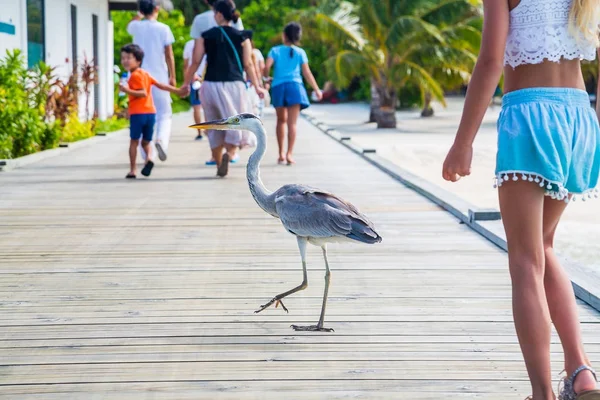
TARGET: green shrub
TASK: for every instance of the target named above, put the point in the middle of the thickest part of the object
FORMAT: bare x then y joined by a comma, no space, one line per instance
22,117
111,124
76,129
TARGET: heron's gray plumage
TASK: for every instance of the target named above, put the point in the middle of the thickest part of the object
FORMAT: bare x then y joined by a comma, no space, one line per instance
313,213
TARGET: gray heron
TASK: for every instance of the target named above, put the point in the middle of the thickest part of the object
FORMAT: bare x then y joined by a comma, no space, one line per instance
314,216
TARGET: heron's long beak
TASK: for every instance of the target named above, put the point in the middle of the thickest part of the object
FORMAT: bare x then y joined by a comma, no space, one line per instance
220,124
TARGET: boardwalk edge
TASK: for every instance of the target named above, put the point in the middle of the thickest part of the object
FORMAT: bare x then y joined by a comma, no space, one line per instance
14,163
586,289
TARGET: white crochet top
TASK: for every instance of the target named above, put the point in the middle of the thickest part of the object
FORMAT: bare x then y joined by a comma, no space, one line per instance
539,30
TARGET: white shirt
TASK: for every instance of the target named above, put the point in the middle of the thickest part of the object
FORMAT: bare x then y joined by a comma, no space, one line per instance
258,55
188,53
152,36
206,20
539,30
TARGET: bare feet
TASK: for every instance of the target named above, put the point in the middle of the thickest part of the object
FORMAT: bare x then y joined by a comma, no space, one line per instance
290,160
281,159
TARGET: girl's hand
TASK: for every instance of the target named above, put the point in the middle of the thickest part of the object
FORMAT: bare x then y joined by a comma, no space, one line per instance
123,87
318,95
260,92
183,91
458,162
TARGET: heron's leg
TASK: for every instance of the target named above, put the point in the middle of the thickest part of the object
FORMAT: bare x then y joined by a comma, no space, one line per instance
319,326
277,299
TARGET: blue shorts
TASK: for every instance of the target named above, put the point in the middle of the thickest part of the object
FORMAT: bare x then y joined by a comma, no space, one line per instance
194,96
141,125
289,94
551,137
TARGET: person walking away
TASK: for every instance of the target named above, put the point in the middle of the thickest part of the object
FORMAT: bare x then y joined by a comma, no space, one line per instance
258,60
142,113
288,94
188,52
548,152
223,92
206,20
156,40
202,23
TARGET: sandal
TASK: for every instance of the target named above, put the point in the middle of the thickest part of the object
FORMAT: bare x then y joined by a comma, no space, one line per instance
147,168
224,167
130,176
568,392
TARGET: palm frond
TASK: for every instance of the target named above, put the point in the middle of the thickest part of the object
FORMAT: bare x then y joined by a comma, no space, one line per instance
408,30
427,82
345,66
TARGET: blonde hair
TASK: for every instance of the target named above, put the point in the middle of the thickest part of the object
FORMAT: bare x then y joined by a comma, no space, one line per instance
585,19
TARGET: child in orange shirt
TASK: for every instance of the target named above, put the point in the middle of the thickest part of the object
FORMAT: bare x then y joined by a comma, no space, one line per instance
142,113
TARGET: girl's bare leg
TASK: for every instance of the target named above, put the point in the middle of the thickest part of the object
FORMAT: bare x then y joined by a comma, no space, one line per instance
281,124
521,204
561,301
292,123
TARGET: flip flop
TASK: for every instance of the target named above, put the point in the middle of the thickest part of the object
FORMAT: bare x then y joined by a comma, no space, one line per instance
224,167
162,155
147,170
199,137
210,162
130,176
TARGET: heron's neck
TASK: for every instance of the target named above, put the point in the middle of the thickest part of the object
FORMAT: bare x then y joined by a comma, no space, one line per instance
261,194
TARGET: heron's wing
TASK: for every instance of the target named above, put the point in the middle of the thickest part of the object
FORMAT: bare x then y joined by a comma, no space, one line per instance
310,212
339,203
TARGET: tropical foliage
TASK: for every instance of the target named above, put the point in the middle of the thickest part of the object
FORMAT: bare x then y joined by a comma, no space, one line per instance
400,44
37,109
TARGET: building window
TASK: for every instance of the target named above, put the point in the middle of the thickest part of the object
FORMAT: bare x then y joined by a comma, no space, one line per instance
35,32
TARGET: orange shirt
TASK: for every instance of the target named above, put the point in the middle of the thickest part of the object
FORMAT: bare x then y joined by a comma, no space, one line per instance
140,79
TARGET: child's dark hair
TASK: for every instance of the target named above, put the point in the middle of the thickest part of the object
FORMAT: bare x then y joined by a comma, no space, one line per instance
147,7
134,50
227,8
293,33
210,2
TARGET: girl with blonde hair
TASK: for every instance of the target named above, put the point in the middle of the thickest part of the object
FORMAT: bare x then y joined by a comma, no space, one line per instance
548,153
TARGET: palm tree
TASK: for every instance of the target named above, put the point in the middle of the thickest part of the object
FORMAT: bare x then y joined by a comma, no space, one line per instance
426,43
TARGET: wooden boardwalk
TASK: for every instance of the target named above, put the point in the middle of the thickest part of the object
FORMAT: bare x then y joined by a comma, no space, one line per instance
115,289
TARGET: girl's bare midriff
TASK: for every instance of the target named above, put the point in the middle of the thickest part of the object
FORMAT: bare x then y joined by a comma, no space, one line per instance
563,74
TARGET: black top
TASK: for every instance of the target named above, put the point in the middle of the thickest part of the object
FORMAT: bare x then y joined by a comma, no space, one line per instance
221,63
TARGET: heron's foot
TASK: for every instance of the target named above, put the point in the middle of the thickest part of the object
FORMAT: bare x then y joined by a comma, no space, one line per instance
270,303
311,328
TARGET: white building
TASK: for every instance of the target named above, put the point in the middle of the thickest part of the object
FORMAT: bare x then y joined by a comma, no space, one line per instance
61,31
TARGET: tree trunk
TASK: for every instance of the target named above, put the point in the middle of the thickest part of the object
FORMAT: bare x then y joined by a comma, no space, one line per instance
375,102
386,117
427,109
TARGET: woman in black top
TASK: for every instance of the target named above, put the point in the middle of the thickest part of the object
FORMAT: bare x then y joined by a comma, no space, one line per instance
223,93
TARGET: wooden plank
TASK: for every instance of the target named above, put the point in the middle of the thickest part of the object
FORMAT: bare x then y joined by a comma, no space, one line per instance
146,289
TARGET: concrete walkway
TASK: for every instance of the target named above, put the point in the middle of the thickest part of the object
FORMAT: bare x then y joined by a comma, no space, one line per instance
117,289
420,146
